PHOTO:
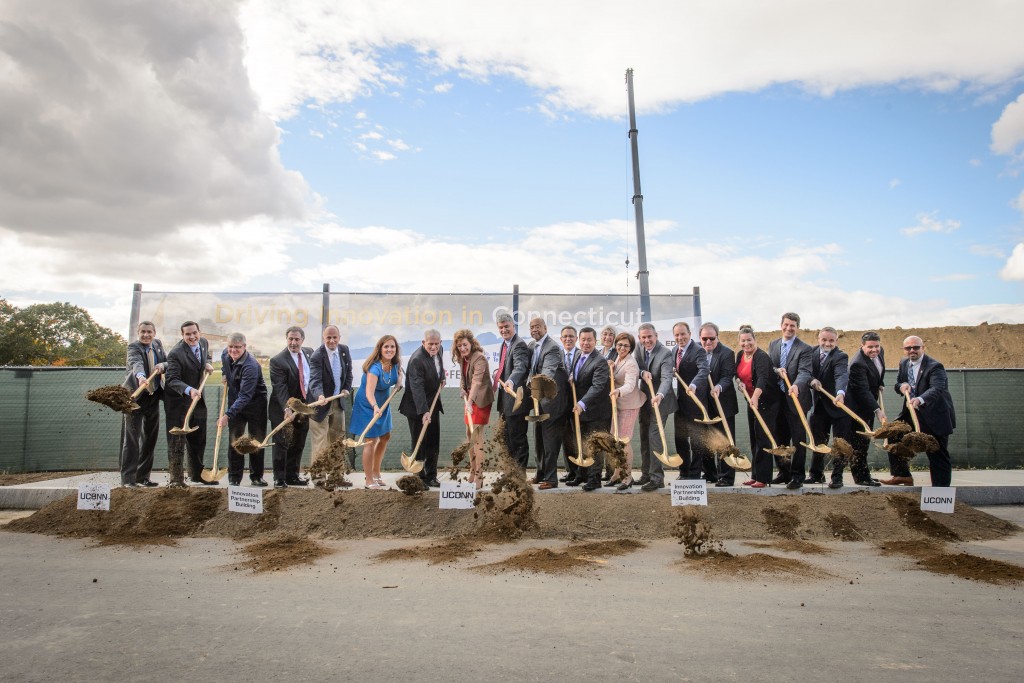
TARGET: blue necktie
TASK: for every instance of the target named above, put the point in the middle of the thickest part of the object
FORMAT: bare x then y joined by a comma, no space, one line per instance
782,364
910,379
336,371
199,356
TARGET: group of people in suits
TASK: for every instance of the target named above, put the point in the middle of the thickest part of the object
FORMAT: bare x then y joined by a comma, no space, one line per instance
649,380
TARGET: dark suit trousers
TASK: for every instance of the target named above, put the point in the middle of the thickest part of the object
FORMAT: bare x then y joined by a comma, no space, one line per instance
685,429
706,439
194,444
760,458
592,474
859,466
547,437
141,429
650,467
821,424
516,439
287,456
257,426
430,446
940,464
789,430
569,447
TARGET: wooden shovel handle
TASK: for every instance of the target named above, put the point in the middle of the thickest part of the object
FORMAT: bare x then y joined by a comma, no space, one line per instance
376,416
707,418
757,414
800,411
718,404
220,429
913,411
206,376
611,394
846,410
328,399
138,392
423,431
657,415
576,420
288,420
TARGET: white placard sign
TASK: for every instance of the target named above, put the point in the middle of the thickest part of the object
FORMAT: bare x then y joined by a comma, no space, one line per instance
245,500
94,496
456,495
938,498
689,492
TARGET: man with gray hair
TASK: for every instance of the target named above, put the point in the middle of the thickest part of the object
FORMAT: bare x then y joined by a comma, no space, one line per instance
513,371
424,377
247,407
655,362
289,378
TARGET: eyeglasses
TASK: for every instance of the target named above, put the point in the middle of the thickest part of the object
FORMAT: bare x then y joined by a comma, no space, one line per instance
911,348
708,338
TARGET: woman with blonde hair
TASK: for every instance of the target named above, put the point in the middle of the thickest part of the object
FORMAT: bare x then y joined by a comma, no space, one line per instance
478,395
628,399
382,375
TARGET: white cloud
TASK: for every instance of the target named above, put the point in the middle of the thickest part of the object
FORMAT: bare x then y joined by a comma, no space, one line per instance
894,183
316,134
986,250
398,145
443,87
953,277
928,222
1014,268
327,51
372,135
1008,131
381,155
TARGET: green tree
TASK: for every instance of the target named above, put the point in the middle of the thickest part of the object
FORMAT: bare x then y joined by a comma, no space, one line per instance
56,334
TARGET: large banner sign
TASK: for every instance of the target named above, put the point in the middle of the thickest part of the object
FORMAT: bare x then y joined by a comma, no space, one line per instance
364,318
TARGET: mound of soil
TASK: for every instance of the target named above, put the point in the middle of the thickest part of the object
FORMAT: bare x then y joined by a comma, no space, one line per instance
932,556
113,396
723,564
572,559
433,553
792,546
410,485
694,532
281,551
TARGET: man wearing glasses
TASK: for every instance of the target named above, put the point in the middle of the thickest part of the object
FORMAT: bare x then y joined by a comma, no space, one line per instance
923,381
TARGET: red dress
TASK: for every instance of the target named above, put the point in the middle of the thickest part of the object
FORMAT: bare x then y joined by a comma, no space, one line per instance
479,416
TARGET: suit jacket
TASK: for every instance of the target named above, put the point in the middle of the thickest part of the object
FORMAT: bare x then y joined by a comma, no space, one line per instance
661,368
721,370
516,370
865,381
936,415
183,370
593,382
247,390
627,381
834,375
284,383
421,383
551,363
138,364
321,378
762,376
693,368
476,381
798,367
572,362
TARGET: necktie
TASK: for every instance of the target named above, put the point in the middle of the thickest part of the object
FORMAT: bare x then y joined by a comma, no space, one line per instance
579,364
151,357
679,358
822,359
782,364
302,377
709,360
501,365
647,359
568,361
910,378
536,356
336,370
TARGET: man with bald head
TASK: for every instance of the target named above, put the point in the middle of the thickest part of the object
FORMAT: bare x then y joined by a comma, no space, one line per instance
424,377
922,380
330,373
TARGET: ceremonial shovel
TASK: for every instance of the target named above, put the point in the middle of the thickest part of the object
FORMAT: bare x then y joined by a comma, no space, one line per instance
138,392
817,448
214,474
266,442
409,462
670,460
541,387
868,432
707,418
186,429
579,459
615,418
733,458
356,443
776,449
517,394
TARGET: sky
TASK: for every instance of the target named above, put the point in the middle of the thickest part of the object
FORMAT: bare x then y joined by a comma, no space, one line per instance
858,163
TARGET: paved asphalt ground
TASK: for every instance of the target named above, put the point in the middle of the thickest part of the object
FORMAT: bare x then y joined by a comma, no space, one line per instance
72,611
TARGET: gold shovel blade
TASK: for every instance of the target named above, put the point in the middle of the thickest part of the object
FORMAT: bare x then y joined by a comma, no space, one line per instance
411,465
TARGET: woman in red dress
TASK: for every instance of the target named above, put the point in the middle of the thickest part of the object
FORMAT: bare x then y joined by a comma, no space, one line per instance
478,395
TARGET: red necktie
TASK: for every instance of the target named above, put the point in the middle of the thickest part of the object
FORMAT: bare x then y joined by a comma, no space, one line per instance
679,357
302,381
501,365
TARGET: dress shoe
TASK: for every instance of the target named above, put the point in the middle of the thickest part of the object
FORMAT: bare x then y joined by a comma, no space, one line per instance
758,485
573,482
280,484
626,483
723,482
651,486
234,482
545,485
434,483
868,482
614,482
814,480
779,480
258,481
836,484
748,482
296,481
147,483
642,481
607,476
794,485
535,480
590,486
564,478
130,485
202,482
899,481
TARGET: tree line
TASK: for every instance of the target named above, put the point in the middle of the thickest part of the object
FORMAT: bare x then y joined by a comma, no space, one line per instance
56,334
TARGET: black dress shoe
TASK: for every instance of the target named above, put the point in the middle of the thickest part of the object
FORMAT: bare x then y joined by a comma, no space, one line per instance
795,484
564,479
573,482
280,484
258,481
723,482
232,482
607,476
296,481
130,485
868,482
812,480
642,481
433,483
590,486
147,483
626,483
779,480
651,486
203,482
836,484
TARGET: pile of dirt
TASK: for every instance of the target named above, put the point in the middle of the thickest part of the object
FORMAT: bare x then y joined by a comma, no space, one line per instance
508,510
114,397
781,521
330,466
281,551
843,527
574,558
909,510
791,546
727,565
15,478
981,346
411,485
603,444
245,444
433,553
694,532
932,556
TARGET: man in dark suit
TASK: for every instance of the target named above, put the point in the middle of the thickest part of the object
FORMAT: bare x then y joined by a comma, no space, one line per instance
142,426
721,362
246,410
425,375
289,378
655,362
691,364
569,355
867,374
330,373
593,404
925,379
187,364
513,370
830,371
792,357
546,359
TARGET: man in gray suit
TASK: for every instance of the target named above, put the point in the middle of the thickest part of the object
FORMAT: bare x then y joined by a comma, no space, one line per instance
546,359
792,358
513,370
593,404
142,426
655,363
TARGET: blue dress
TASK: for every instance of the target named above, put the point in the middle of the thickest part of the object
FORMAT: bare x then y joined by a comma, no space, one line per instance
362,413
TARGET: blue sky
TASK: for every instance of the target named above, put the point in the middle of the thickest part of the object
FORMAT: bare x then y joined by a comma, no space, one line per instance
860,165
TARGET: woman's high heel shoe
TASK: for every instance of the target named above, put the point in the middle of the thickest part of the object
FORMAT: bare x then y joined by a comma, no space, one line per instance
626,483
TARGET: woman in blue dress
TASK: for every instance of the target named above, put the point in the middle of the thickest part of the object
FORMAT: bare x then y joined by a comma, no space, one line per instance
382,375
